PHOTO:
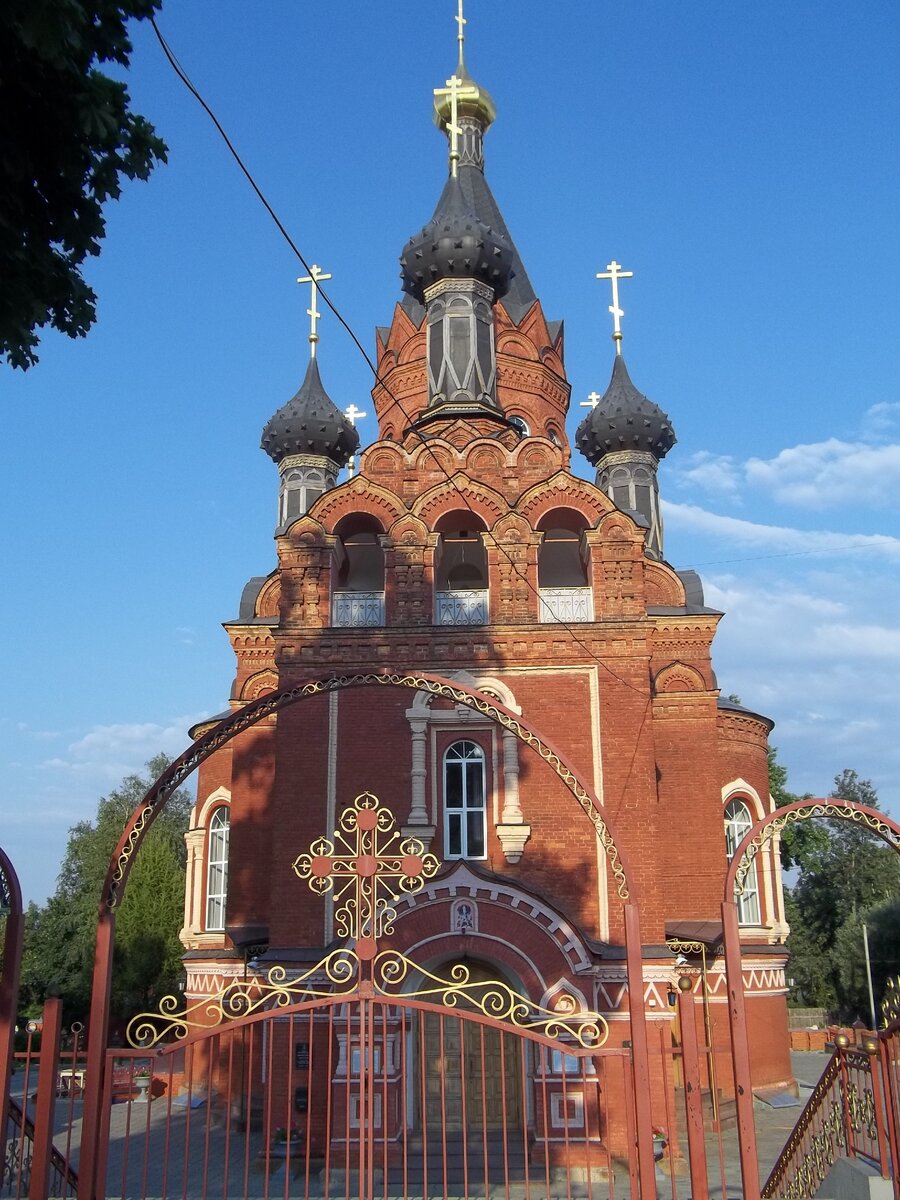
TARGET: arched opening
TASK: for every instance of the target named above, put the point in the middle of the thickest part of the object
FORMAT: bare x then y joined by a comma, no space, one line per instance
563,580
461,571
357,598
471,1073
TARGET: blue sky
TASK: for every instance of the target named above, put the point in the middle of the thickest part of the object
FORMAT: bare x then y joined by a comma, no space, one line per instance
740,159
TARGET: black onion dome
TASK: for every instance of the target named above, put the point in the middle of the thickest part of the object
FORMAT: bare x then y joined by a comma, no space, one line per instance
624,420
455,244
311,423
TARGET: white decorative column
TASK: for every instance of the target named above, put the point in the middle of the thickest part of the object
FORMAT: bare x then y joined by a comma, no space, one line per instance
512,830
418,825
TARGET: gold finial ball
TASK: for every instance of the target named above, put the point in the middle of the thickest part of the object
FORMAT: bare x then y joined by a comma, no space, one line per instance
479,105
686,983
870,1045
841,1041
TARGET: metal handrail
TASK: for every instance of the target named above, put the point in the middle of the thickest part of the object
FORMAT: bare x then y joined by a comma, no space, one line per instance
843,1116
61,1170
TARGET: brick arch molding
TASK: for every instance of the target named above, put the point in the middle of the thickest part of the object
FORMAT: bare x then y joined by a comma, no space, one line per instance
437,685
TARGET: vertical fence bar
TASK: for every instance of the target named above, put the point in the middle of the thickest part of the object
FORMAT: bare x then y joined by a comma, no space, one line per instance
870,1045
640,1057
9,984
690,1058
740,1049
886,1044
46,1100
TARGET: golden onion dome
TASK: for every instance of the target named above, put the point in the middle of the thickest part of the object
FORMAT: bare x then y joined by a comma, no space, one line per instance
479,105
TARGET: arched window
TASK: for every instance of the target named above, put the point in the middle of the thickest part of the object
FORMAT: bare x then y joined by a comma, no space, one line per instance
217,869
562,570
738,822
461,572
465,814
358,594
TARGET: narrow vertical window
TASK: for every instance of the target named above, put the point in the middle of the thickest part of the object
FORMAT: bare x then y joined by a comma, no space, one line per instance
464,801
738,823
217,869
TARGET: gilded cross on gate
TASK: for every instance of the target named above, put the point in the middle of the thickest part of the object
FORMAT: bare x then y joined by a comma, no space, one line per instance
376,867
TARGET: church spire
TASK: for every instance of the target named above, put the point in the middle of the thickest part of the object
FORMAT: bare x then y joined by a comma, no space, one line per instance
625,435
309,438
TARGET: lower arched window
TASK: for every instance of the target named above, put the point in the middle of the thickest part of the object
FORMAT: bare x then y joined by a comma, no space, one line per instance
738,823
465,816
217,869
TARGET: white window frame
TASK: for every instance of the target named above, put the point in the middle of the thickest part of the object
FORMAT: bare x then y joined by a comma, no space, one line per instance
457,818
217,868
738,822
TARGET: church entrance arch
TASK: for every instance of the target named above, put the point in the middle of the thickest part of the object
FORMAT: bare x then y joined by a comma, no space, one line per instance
471,1072
829,808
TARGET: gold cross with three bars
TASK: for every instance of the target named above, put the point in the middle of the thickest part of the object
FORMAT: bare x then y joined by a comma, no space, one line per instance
372,873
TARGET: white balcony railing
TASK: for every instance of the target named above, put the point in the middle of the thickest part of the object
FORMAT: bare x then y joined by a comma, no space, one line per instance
566,604
461,608
357,610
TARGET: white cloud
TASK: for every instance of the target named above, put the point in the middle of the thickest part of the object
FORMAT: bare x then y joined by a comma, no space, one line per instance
691,518
716,474
826,474
881,420
109,752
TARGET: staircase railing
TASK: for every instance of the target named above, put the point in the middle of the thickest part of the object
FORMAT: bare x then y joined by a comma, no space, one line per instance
846,1115
15,1167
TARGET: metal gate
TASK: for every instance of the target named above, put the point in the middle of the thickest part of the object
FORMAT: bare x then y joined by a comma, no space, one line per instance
368,1093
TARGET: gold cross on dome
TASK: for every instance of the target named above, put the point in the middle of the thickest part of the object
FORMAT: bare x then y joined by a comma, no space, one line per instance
592,401
353,414
370,872
315,277
457,91
614,272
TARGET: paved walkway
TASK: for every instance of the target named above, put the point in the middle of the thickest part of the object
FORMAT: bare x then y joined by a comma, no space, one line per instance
186,1156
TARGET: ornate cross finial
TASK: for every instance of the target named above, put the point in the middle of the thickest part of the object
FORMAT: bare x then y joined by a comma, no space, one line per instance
371,874
592,401
460,34
615,273
457,91
315,277
353,414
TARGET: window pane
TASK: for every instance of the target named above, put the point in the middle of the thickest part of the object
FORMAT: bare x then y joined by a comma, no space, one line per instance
475,823
453,790
454,835
474,784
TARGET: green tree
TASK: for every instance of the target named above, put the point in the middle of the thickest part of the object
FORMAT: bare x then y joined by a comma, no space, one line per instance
844,875
68,138
59,938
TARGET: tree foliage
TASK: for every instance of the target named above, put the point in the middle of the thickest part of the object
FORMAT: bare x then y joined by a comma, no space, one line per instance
59,938
846,876
68,138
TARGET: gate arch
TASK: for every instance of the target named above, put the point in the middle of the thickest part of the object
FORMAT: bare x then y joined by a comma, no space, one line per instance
829,808
217,737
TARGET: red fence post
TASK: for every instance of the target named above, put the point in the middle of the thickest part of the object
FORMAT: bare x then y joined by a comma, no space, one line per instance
639,1051
690,1061
870,1045
740,1050
39,1185
9,981
98,1031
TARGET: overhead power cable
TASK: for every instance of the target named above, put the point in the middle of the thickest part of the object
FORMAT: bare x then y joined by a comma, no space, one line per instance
379,381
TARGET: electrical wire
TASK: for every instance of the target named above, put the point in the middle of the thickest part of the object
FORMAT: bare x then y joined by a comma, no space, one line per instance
379,381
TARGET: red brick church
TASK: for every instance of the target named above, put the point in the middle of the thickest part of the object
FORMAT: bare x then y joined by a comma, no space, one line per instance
466,547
